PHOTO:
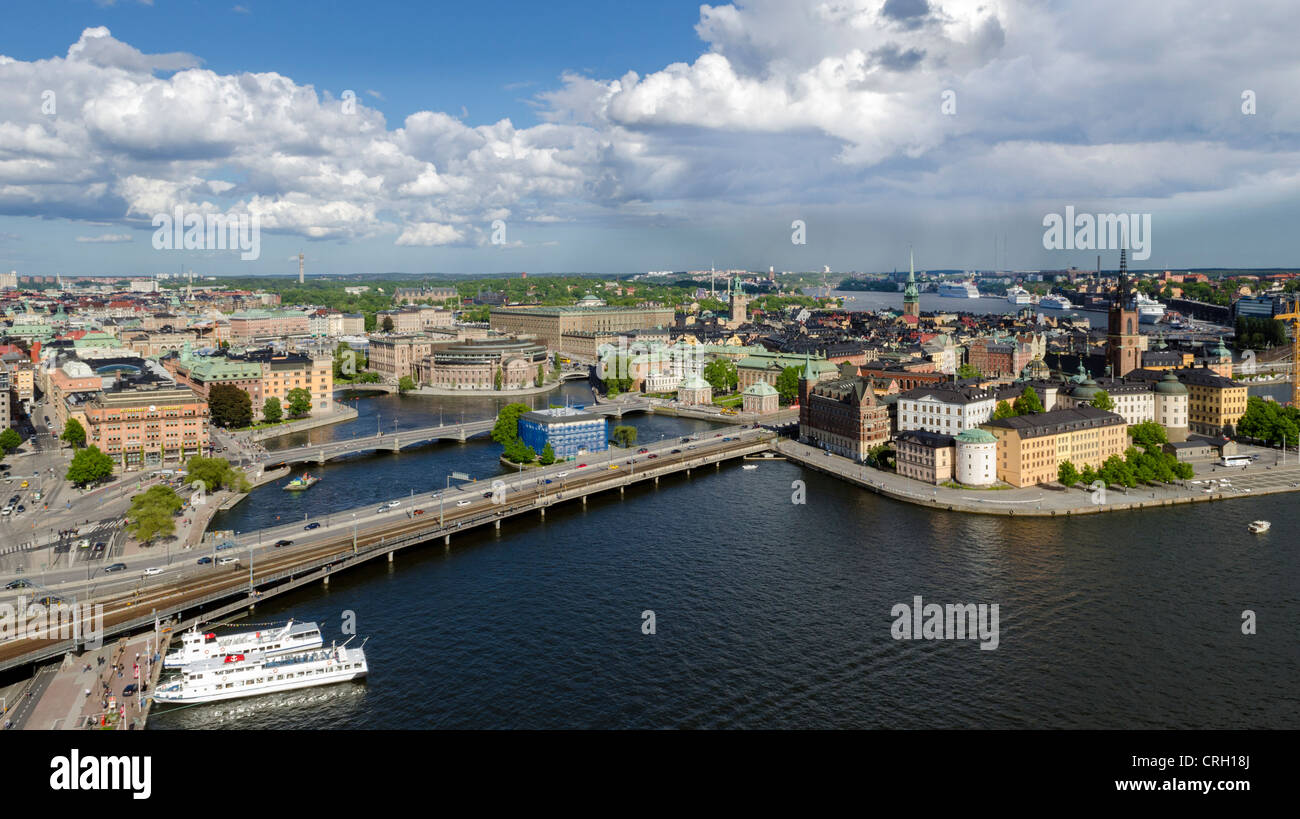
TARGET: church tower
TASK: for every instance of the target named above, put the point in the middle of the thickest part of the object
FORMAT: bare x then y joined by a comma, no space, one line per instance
1123,336
911,295
739,303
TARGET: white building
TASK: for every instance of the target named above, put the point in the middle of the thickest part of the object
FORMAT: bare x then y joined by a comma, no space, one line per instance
977,458
945,408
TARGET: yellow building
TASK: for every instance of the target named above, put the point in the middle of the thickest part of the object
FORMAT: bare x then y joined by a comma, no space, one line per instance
1031,448
1214,404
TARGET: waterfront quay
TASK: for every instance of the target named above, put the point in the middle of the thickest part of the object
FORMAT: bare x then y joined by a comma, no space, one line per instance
268,566
1047,502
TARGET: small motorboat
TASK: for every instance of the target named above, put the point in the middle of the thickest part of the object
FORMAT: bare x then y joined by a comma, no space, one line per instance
1259,527
304,482
750,466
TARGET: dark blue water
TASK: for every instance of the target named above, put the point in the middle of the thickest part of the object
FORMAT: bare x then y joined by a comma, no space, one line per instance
771,614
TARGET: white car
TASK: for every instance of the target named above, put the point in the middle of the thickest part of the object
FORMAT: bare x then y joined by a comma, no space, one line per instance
153,572
463,503
561,474
392,504
226,561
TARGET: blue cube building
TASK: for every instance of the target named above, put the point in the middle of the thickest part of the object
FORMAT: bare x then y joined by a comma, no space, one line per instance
569,431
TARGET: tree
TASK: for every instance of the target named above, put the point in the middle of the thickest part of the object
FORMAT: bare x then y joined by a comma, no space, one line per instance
968,371
1028,402
405,383
1103,401
74,433
153,513
388,324
721,375
541,375
299,402
624,436
787,385
271,410
518,452
506,428
88,466
1149,435
496,380
1067,474
11,440
1087,475
1003,410
229,406
216,473
548,455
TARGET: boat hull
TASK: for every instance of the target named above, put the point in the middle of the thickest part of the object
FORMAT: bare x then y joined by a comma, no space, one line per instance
161,695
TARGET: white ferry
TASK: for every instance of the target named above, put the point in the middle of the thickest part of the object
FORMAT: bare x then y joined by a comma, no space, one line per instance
246,675
959,290
196,646
1019,295
1055,302
1150,311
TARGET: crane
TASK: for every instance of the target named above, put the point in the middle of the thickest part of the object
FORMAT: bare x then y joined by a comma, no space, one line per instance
1293,316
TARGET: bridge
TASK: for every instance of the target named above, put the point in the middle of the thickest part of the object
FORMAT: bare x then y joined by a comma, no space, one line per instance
343,539
403,439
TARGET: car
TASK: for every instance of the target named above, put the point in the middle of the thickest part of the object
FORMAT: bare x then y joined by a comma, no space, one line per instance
548,480
227,561
728,439
582,466
18,584
130,689
310,526
613,466
642,451
652,455
99,547
719,435
116,567
84,543
23,485
686,439
561,474
203,561
393,504
50,600
8,510
487,494
20,508
462,503
227,544
691,446
152,571
675,452
280,543
417,511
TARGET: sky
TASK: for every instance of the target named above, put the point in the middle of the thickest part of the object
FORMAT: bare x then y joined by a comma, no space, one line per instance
612,137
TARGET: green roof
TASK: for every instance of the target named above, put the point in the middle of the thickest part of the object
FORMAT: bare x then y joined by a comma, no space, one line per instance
977,436
760,388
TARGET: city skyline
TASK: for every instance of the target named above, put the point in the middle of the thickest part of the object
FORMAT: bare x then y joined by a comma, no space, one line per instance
683,136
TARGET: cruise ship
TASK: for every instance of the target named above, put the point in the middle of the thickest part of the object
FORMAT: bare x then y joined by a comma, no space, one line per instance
1019,295
1150,311
1055,302
198,646
246,675
959,290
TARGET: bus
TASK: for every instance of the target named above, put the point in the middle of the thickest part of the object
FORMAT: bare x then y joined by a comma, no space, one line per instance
1235,460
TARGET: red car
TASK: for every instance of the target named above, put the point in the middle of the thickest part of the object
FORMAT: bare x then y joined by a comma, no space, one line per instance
580,466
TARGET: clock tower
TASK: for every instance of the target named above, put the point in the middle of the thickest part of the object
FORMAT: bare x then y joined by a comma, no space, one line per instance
1123,336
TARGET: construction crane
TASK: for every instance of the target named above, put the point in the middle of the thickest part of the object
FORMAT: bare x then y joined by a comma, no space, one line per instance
1293,316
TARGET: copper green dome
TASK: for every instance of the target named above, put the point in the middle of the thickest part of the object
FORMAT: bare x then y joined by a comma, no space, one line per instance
1170,385
1086,390
976,436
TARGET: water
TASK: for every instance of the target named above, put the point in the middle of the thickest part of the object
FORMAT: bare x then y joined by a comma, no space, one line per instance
871,300
770,614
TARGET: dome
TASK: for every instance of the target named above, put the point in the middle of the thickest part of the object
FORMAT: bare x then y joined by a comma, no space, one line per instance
695,382
976,436
760,388
1085,391
1170,385
1221,351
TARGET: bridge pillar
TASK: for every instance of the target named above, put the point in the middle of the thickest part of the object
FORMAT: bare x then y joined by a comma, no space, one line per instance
446,541
325,580
390,557
498,524
320,459
620,490
584,500
542,509
656,480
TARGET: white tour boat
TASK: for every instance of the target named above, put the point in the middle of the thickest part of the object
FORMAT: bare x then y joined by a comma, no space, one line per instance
1259,527
1019,295
749,466
196,645
959,290
246,675
1054,302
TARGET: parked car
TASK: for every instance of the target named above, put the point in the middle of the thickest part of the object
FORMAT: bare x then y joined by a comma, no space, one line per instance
116,567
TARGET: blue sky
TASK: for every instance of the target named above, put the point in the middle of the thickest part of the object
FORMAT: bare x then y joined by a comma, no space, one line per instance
618,137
